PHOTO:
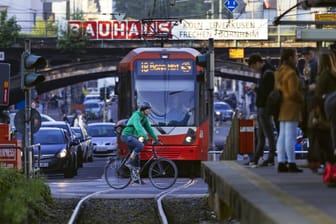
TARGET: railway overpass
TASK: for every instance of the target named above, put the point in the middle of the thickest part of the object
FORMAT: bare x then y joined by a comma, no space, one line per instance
65,69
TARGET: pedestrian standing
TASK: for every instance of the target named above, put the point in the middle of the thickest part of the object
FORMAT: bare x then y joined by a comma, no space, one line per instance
264,119
325,84
288,81
309,74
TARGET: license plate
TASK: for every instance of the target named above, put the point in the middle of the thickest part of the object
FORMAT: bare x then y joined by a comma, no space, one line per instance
42,164
100,149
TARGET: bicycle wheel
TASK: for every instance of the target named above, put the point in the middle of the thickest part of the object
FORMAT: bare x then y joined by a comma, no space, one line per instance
162,173
116,174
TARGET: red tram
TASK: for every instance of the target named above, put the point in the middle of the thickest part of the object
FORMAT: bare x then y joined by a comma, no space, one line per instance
171,81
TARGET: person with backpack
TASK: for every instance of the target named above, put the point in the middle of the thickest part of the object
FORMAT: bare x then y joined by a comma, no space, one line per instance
135,133
264,119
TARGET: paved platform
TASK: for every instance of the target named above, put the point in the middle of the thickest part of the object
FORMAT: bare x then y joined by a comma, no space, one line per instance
262,195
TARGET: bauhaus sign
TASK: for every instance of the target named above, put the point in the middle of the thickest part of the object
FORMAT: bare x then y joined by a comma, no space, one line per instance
242,29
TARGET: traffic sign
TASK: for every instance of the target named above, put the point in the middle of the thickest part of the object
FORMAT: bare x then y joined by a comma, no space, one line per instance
4,83
231,5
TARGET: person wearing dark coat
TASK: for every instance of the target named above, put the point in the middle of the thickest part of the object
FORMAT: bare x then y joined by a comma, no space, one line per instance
264,119
323,123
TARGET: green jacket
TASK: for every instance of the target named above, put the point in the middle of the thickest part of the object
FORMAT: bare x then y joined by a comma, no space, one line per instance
138,125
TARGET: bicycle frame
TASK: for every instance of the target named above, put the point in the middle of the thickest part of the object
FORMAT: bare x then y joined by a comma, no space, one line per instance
158,169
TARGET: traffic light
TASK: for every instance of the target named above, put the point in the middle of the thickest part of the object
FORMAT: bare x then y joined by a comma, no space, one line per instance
318,3
29,64
203,60
105,93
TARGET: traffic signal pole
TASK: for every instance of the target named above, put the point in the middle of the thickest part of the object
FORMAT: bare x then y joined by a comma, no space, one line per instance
210,78
28,156
29,79
207,61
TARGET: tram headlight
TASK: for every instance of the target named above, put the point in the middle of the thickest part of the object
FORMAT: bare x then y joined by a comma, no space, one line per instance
190,137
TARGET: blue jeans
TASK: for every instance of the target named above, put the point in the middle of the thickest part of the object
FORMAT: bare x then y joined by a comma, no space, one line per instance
286,141
133,143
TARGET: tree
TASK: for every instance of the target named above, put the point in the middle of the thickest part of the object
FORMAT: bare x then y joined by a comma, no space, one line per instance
44,28
9,30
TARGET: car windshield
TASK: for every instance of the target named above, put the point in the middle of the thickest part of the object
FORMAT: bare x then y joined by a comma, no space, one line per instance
49,137
78,133
91,105
222,106
101,131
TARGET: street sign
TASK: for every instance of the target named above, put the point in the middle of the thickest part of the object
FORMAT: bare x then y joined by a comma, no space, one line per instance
326,17
4,83
231,5
236,53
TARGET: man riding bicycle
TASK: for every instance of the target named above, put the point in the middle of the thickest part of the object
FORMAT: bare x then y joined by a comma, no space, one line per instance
134,134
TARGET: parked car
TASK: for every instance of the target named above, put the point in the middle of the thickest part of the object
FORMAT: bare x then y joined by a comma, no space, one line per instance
223,111
85,142
104,138
93,109
75,145
56,154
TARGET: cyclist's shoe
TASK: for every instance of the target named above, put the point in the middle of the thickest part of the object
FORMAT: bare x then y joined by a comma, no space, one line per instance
135,175
130,163
140,181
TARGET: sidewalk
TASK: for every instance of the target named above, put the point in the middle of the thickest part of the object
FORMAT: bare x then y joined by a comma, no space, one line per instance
262,195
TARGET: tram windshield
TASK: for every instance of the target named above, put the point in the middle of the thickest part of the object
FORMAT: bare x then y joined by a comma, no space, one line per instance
170,91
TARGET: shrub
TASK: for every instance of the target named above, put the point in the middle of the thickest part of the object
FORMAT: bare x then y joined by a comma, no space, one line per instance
23,200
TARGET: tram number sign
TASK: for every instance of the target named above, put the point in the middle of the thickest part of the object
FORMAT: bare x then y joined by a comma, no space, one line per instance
156,67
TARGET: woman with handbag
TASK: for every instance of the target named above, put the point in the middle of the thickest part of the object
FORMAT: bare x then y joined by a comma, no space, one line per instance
288,81
325,84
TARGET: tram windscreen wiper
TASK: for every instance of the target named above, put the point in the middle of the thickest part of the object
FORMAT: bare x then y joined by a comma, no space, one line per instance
176,92
159,128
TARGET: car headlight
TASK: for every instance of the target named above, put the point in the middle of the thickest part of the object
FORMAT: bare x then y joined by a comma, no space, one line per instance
218,113
62,153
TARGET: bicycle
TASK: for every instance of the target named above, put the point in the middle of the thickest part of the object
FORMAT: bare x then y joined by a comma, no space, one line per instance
162,172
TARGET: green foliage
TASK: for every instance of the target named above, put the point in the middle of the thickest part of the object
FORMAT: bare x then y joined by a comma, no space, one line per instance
9,30
23,200
73,41
139,9
44,28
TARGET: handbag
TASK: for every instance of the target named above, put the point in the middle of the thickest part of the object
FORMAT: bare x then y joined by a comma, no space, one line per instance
329,175
273,102
317,119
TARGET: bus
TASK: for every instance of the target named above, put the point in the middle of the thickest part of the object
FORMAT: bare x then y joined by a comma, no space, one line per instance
176,87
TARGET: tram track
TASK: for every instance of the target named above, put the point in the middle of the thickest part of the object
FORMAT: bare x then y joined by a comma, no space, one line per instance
158,198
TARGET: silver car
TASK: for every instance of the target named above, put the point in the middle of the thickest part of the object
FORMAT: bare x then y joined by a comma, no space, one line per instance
104,138
223,111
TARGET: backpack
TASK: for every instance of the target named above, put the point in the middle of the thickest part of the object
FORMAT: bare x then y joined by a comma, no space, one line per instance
273,102
120,125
